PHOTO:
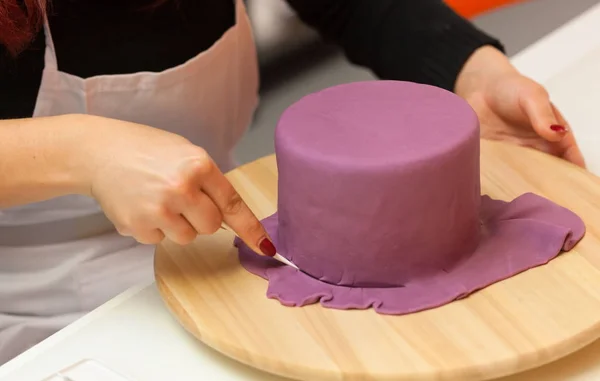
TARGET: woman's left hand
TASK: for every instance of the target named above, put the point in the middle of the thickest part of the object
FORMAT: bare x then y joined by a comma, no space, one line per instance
514,108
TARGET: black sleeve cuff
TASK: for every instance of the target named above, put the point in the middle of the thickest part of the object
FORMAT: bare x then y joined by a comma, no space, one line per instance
421,41
431,49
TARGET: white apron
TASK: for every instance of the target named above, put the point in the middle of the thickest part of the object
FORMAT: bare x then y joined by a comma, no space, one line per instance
62,258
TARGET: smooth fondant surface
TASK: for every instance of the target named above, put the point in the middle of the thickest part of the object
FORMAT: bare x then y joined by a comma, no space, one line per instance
369,172
379,204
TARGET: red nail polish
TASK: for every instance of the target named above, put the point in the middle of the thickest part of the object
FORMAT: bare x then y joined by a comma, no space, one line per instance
267,247
558,128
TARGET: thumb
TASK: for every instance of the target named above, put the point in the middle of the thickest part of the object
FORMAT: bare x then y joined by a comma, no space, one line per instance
538,109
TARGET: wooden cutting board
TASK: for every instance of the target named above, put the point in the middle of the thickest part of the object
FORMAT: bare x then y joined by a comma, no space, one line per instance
526,321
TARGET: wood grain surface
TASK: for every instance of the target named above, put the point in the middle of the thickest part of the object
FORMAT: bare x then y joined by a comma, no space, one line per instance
526,321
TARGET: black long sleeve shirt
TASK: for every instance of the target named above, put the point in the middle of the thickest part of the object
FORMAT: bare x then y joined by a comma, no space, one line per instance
416,40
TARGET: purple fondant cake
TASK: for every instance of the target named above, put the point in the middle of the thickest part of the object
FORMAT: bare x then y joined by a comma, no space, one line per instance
379,204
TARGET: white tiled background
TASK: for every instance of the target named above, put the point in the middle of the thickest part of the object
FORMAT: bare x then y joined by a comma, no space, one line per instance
287,76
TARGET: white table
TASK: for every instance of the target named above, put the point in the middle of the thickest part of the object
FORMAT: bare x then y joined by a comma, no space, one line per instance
135,335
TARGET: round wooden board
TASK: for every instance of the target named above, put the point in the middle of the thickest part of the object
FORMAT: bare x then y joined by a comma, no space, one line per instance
523,322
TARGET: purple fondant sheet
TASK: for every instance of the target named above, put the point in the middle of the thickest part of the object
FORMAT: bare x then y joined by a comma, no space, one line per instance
515,236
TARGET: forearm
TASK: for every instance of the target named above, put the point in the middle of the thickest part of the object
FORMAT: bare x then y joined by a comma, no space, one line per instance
421,41
40,159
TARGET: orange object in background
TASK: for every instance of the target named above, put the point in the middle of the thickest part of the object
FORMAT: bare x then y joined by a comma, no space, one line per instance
472,8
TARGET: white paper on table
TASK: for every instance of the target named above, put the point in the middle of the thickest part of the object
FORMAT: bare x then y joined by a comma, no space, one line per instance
87,370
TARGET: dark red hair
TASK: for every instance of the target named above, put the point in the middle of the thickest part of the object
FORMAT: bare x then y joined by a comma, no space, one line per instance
20,20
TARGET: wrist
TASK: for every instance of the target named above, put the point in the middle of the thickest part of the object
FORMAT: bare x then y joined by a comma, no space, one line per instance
79,142
485,64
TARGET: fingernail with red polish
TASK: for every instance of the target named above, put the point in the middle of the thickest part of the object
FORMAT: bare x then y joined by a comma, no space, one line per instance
267,247
558,128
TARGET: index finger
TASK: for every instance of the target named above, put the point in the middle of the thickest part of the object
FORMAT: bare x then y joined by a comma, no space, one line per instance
235,211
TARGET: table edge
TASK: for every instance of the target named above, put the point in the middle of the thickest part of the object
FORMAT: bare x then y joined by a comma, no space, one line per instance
21,360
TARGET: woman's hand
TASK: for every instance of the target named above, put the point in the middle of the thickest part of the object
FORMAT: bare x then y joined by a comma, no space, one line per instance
514,108
152,184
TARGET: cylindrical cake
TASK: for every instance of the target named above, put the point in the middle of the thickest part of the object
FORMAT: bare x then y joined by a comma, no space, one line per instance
378,183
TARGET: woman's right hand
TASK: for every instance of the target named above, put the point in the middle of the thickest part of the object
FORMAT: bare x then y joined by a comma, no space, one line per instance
151,184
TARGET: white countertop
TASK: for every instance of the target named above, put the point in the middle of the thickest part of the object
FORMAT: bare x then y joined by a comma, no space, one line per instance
135,335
